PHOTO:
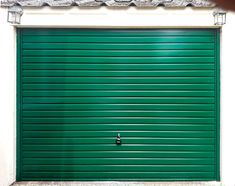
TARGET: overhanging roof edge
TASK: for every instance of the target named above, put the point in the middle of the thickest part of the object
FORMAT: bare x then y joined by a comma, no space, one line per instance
111,3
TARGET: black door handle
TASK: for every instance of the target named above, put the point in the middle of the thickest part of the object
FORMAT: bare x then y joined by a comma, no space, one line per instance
118,139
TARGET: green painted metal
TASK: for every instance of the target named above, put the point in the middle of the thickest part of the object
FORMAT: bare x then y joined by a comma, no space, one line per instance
78,88
217,45
19,107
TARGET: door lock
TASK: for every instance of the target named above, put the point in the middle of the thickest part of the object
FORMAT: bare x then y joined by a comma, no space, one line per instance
118,139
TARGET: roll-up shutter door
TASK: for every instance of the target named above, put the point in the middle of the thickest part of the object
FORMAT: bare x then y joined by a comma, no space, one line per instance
78,89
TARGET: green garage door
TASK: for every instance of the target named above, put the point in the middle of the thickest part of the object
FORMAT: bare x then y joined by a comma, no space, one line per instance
79,89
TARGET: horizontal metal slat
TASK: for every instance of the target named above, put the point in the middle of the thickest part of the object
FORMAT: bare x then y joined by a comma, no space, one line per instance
103,73
58,66
118,39
122,53
125,140
117,32
118,60
120,168
104,93
120,80
118,113
161,107
97,86
119,161
119,100
119,120
118,154
134,133
126,46
148,176
117,127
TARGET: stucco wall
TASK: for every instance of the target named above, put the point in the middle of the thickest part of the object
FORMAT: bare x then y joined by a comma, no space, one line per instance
76,17
7,101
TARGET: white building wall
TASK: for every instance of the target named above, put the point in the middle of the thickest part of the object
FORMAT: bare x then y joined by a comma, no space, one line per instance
110,17
7,102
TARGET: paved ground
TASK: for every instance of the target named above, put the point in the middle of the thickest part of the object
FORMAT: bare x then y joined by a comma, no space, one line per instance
116,184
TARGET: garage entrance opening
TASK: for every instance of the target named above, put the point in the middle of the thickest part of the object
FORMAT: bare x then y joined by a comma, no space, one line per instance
118,104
